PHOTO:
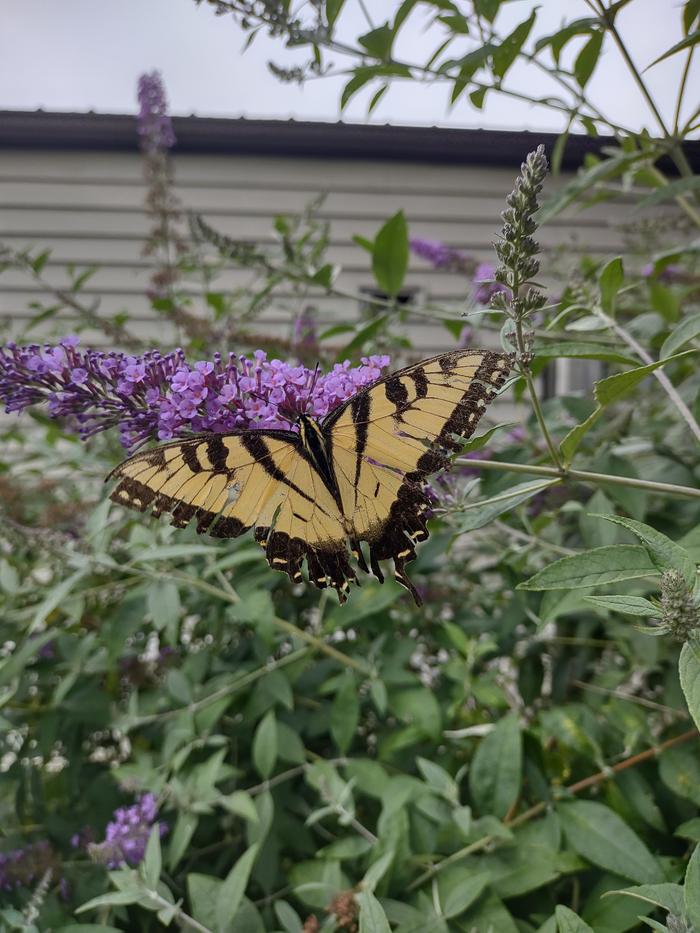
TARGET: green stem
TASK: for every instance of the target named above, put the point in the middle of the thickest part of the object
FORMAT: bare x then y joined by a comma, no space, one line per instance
692,213
659,374
681,91
532,390
592,781
584,476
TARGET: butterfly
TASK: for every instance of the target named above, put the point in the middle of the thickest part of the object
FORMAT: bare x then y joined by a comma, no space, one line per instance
316,495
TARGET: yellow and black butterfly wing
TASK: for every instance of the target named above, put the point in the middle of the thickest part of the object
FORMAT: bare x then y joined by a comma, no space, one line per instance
390,436
230,483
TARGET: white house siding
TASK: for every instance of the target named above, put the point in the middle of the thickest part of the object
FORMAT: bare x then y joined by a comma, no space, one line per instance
87,208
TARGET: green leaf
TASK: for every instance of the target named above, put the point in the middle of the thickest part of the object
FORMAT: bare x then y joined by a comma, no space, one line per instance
610,281
372,916
345,713
689,673
607,391
569,922
679,769
363,336
333,8
265,745
241,803
288,917
477,443
630,605
687,329
185,825
666,192
601,171
691,889
152,863
505,54
556,349
361,77
665,554
495,774
233,888
690,40
203,892
691,11
464,894
390,254
378,42
475,515
113,899
587,58
439,780
593,568
172,551
163,601
665,895
598,834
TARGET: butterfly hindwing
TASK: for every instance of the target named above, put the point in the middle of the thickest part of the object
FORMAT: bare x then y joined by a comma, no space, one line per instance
388,438
230,483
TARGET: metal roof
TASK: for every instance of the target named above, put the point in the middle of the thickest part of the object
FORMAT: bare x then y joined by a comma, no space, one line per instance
39,129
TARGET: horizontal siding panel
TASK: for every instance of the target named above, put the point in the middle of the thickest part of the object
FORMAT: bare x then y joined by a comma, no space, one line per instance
266,201
116,222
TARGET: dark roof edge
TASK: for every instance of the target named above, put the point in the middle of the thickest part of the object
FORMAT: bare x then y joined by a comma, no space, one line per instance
40,129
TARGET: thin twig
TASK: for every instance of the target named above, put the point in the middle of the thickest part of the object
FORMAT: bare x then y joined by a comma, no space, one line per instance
593,780
584,476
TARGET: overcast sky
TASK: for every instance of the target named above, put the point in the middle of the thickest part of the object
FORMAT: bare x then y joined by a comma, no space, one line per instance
87,54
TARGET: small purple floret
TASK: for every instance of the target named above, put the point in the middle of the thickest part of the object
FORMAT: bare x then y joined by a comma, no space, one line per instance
127,835
440,255
485,286
164,396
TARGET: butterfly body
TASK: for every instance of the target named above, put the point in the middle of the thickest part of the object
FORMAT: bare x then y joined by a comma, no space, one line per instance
317,493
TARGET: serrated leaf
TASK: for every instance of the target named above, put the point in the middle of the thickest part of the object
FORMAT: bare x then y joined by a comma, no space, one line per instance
610,281
495,774
475,515
607,391
372,916
665,554
593,568
688,329
390,254
555,349
598,834
689,673
233,888
265,745
630,605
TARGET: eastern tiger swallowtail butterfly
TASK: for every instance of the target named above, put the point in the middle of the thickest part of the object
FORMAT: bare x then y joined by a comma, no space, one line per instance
316,495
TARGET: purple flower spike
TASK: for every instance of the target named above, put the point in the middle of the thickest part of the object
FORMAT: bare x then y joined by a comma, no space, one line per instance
440,255
127,835
161,397
154,124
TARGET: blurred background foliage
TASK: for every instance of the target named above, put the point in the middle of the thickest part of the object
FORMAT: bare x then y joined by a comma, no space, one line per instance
190,741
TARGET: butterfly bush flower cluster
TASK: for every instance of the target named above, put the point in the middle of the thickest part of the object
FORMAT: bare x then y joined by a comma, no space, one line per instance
442,256
154,124
127,835
163,396
27,866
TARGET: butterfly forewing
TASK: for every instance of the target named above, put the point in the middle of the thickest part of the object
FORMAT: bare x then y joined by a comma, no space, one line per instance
390,437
